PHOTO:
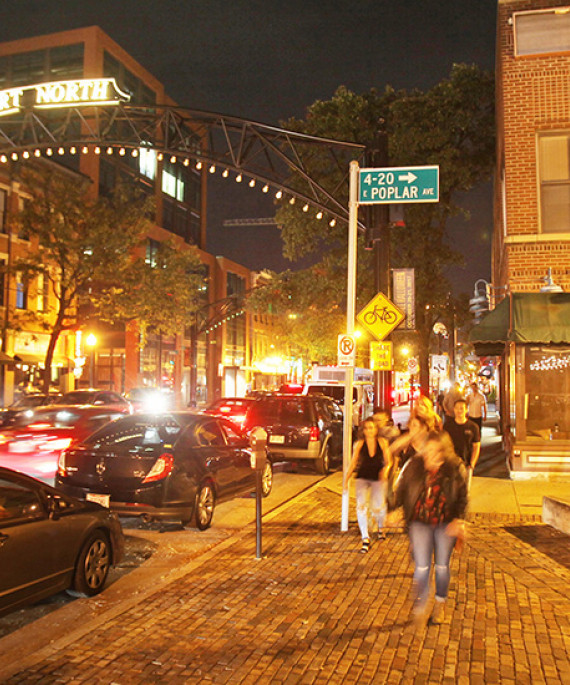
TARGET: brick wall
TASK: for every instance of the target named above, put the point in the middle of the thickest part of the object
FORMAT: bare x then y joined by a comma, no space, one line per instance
533,95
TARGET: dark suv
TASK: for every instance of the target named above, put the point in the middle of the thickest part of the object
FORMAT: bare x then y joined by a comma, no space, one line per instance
300,428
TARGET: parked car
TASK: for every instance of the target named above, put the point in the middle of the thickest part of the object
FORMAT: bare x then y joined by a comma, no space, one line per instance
33,445
145,399
50,542
175,465
25,407
233,408
108,398
299,427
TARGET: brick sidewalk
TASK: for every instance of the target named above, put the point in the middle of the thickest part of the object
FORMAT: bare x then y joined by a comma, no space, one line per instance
315,610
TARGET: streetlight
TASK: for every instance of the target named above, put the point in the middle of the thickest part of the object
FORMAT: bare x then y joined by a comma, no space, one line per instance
91,341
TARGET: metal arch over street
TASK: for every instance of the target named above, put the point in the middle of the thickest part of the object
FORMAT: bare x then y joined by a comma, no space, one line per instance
265,153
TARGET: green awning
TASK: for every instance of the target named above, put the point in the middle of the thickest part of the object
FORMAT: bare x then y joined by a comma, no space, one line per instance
524,318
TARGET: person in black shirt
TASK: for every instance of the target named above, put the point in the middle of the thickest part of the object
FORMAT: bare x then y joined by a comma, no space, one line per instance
465,436
371,461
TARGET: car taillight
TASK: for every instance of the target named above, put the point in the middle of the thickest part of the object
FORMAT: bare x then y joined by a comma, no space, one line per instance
314,434
55,445
160,469
61,470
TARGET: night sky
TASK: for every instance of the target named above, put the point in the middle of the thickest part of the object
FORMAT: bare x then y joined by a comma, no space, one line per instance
267,61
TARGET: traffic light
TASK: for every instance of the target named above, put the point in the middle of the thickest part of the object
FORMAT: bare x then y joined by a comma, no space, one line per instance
479,303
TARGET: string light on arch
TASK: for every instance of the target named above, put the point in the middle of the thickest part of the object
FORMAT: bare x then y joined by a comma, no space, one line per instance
319,215
14,156
252,183
198,165
265,188
3,159
292,201
134,152
186,162
212,169
306,208
122,152
225,173
332,223
279,194
37,153
239,178
25,154
60,151
85,149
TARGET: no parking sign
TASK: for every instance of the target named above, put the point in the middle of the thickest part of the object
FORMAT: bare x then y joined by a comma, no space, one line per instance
346,350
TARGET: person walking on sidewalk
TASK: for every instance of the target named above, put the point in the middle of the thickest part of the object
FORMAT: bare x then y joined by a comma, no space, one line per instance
465,436
371,460
452,395
432,490
477,406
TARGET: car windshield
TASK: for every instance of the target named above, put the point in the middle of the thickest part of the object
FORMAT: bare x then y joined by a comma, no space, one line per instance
136,433
55,417
77,397
29,401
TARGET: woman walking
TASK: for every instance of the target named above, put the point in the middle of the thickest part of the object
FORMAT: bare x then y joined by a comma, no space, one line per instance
371,461
433,492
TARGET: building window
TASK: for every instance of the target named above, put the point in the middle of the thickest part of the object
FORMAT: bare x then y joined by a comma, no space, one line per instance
21,292
537,33
147,162
3,208
3,266
554,171
152,247
127,81
42,292
547,378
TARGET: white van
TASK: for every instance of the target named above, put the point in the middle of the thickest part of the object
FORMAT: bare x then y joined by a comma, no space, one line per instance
329,381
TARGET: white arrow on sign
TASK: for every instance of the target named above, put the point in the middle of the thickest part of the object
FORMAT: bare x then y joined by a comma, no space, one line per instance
409,177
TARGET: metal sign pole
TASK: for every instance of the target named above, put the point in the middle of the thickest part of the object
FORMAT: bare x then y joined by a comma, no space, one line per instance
350,313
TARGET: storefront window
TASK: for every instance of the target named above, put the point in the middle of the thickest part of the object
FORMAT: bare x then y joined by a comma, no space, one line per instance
547,382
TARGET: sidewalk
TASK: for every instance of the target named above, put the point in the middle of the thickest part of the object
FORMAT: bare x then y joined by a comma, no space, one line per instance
315,610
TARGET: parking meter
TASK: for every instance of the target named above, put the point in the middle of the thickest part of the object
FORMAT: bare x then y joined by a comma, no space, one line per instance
258,442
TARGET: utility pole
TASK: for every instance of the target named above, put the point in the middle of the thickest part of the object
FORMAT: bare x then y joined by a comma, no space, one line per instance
378,239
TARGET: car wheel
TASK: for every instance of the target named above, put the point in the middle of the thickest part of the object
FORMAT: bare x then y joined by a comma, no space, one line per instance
322,464
205,503
267,479
92,566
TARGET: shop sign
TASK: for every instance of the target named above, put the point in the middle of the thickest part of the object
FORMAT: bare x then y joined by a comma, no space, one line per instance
404,294
79,92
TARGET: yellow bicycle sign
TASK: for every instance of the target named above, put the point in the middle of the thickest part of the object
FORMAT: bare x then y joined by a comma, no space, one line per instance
380,316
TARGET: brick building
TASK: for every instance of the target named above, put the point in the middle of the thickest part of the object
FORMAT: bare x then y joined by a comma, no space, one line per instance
220,362
529,329
532,193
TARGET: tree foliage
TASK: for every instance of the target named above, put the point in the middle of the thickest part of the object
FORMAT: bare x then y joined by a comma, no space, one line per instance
452,125
92,252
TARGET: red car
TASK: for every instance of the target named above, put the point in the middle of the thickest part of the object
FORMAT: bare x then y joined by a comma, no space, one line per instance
232,408
33,447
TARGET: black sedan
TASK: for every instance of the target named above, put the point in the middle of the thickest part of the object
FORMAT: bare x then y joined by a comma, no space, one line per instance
24,407
50,542
172,466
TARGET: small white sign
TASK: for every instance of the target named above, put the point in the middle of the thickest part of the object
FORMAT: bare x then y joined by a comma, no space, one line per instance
346,350
413,366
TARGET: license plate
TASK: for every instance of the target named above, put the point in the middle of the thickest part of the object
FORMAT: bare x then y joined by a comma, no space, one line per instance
277,439
103,500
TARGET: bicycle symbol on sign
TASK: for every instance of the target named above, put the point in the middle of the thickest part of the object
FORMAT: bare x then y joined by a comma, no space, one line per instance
381,314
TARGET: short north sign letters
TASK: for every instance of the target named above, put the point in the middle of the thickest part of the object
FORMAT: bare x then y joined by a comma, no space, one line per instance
78,92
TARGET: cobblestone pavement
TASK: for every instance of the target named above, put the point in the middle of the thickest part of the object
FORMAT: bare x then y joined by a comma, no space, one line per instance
315,610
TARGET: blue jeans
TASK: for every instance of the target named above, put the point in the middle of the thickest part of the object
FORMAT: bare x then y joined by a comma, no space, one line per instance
427,542
375,490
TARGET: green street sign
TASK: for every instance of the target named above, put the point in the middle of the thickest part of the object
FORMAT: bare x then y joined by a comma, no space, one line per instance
398,185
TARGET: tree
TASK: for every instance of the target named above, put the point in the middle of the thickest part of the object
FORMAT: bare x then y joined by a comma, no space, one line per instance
452,125
90,250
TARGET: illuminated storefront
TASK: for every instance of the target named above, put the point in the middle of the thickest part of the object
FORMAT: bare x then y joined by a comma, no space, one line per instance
530,334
